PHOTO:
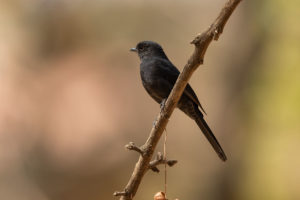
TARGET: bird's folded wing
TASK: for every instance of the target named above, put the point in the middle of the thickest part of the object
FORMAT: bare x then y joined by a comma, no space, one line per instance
191,94
171,73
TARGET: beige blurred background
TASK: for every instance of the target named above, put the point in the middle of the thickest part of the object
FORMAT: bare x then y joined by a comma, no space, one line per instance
71,98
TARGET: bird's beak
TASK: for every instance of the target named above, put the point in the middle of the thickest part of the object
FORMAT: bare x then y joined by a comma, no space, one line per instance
133,49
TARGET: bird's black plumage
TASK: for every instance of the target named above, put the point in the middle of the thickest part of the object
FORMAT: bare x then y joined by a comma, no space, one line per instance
159,76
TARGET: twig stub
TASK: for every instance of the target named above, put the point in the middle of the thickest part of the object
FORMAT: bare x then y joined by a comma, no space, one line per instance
123,193
132,146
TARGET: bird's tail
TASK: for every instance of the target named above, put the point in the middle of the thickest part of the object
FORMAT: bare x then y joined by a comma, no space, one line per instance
210,137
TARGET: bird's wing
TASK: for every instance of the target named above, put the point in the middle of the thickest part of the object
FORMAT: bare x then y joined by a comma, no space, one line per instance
191,94
172,74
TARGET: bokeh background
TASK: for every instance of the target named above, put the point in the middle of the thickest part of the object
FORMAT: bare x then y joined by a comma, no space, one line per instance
71,98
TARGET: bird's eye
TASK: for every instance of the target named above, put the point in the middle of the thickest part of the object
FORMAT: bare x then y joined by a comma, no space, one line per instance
142,48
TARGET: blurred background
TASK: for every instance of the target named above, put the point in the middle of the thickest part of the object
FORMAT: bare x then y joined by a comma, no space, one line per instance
71,98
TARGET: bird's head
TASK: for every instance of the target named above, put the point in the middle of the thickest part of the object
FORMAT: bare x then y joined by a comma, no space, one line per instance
148,49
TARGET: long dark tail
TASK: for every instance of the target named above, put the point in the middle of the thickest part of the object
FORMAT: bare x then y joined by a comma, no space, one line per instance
210,136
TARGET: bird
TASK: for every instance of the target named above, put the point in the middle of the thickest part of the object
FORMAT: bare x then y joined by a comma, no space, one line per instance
159,75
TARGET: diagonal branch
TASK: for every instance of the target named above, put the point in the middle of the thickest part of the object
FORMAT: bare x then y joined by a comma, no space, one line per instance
201,43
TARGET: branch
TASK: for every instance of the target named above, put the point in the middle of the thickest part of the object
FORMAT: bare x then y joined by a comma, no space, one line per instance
201,43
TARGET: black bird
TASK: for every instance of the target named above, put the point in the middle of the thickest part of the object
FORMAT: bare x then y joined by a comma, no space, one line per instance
159,76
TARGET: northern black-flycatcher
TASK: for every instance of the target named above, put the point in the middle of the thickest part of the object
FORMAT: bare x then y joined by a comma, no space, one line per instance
159,76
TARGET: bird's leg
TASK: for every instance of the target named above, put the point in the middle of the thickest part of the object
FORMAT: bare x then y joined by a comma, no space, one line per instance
162,105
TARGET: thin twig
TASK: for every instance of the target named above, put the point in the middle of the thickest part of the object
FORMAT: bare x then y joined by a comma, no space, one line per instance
160,160
201,43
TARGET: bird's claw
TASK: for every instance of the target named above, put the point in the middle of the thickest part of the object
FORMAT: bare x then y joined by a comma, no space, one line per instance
163,103
154,123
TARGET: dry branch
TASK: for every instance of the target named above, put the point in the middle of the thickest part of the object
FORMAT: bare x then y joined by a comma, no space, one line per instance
201,43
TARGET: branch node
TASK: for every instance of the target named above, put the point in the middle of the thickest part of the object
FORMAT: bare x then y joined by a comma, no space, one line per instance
133,147
197,39
217,32
201,61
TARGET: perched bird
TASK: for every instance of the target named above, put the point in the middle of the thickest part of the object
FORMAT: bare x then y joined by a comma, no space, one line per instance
159,76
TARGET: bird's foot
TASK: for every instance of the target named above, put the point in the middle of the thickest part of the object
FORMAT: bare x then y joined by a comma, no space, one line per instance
154,122
163,103
162,106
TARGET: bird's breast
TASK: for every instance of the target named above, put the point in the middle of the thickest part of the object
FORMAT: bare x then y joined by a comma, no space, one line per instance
148,74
